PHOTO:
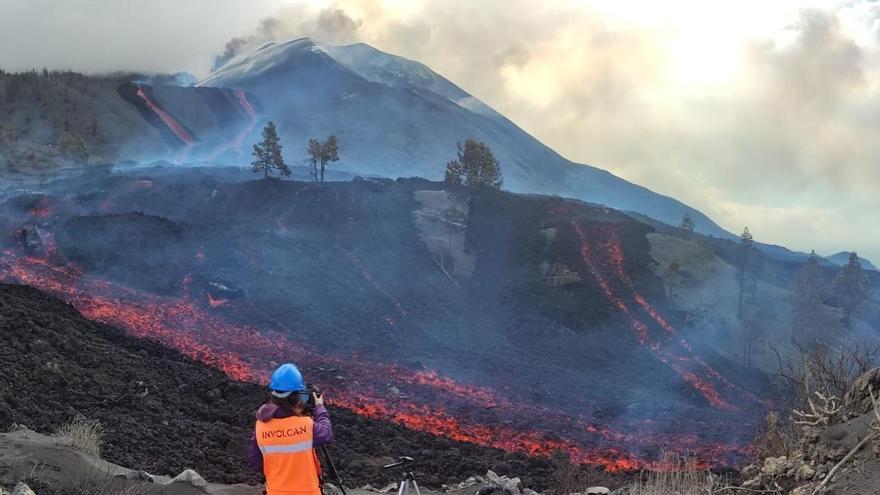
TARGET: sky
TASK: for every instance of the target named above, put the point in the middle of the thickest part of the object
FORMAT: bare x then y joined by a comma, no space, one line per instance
760,114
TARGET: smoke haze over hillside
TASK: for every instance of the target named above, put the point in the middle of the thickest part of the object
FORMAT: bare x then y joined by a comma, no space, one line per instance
757,115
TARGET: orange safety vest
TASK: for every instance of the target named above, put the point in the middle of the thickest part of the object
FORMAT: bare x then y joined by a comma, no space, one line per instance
289,461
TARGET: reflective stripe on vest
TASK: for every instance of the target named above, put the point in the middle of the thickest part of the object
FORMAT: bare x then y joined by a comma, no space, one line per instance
280,449
289,462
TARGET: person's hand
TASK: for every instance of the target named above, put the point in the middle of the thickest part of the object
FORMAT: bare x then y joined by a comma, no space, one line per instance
319,398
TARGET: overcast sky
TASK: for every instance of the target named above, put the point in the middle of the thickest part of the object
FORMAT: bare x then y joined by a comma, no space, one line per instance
758,113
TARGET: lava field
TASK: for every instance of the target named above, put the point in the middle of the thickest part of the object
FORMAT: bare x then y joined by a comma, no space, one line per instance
163,412
243,275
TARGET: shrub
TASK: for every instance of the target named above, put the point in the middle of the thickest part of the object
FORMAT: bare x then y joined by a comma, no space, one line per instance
84,434
776,438
680,475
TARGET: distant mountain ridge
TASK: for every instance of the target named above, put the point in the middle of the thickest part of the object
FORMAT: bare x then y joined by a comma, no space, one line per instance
398,118
842,258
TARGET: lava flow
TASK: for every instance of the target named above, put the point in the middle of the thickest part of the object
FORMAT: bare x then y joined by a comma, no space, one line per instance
239,98
423,401
605,262
248,109
185,137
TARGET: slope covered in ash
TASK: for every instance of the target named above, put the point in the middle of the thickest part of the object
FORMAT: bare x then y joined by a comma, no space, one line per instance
397,118
164,412
531,324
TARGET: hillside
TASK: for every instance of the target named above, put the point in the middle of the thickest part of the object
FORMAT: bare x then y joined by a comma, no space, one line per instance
700,277
38,107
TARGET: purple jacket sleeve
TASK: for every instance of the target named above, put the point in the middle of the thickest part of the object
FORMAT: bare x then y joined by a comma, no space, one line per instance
322,433
255,456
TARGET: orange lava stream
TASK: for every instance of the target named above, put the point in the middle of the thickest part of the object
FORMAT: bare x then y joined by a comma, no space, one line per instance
249,354
185,137
641,329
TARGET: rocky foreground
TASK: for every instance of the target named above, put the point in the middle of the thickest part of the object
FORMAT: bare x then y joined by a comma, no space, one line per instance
35,463
833,449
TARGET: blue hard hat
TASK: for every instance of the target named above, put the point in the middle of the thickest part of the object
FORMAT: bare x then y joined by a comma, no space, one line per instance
286,380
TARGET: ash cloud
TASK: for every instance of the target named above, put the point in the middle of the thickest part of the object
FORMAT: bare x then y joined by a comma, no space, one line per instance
331,24
233,48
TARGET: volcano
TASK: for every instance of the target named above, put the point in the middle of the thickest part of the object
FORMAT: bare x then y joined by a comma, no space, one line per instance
394,117
546,332
398,118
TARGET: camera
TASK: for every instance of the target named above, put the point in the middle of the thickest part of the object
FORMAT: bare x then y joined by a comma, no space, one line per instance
312,391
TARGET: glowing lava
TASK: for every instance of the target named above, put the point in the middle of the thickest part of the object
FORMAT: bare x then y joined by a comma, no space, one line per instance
424,401
170,122
216,302
239,98
605,262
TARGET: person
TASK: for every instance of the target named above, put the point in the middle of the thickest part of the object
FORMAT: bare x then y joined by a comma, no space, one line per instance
285,436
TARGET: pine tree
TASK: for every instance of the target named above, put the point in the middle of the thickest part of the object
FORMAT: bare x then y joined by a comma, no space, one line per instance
850,287
687,223
267,153
476,167
745,251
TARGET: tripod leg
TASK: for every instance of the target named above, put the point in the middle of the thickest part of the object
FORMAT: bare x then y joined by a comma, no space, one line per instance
401,490
415,488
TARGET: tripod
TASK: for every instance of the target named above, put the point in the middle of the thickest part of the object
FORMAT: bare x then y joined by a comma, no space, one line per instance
331,469
408,485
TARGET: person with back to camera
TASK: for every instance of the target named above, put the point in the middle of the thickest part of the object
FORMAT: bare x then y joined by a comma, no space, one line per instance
286,435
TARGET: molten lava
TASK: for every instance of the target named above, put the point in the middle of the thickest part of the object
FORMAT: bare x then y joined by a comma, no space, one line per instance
216,302
606,265
424,400
250,118
41,211
170,122
249,114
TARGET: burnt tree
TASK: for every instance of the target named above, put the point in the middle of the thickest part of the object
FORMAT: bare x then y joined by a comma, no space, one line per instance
267,153
313,152
320,154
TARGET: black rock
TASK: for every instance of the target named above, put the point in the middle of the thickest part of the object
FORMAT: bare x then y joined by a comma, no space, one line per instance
213,395
486,490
